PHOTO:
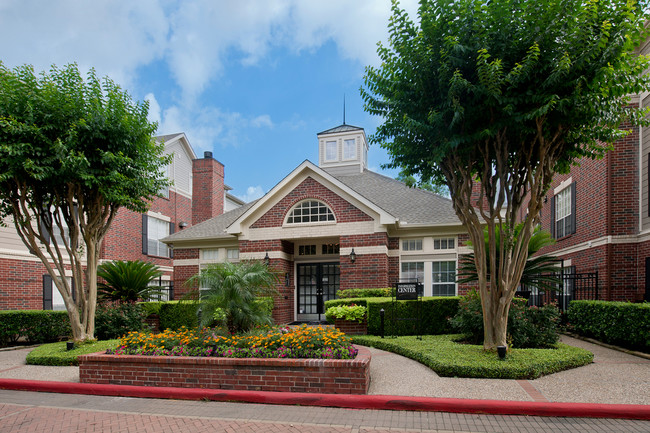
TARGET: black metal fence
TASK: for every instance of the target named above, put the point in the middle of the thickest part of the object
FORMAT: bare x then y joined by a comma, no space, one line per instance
571,286
165,292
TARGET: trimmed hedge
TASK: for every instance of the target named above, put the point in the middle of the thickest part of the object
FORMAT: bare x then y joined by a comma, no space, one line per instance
443,355
434,317
175,314
36,326
386,292
57,354
620,323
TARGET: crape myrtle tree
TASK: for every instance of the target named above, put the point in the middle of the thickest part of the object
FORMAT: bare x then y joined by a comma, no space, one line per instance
500,95
72,152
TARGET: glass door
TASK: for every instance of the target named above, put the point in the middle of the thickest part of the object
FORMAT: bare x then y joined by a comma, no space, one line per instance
317,283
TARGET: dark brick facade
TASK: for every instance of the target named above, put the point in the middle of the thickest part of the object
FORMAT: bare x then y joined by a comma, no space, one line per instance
607,221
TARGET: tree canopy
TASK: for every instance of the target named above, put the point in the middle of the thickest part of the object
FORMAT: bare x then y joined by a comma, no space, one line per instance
72,152
497,96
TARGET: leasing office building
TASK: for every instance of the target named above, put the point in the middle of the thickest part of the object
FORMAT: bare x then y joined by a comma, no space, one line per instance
335,225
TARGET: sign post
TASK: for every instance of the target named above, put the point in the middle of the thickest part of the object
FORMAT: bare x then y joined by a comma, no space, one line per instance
412,291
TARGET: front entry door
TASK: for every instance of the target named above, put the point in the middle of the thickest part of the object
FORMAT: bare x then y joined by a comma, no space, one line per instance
317,283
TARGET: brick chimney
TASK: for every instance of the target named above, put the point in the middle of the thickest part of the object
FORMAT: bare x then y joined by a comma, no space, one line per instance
208,193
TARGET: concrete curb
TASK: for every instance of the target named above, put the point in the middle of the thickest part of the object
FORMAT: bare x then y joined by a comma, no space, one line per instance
377,402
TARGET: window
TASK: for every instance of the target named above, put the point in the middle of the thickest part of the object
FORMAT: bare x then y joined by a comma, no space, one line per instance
310,211
232,254
331,151
52,299
154,229
412,245
307,250
444,244
563,219
331,249
413,271
350,149
444,278
165,289
211,254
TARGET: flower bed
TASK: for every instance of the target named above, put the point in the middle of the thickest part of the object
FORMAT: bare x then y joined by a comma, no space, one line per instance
304,359
332,376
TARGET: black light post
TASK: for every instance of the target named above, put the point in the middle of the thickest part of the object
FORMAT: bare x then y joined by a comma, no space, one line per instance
382,313
501,350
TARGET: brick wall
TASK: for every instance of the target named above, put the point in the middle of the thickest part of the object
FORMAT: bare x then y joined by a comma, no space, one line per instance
310,189
21,286
332,376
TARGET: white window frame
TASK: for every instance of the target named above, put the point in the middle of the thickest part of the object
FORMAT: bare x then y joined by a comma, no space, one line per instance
232,254
331,151
436,276
350,149
412,244
444,244
412,274
298,212
563,212
155,232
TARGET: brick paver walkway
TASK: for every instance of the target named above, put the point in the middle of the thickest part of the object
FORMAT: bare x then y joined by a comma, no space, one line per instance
44,412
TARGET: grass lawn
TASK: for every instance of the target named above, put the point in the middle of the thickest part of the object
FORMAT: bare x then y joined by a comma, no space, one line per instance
56,353
450,359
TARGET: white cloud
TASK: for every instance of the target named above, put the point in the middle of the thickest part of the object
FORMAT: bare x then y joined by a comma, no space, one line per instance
154,108
252,193
262,121
194,37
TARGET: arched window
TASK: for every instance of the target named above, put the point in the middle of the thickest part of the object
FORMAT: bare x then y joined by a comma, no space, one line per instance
310,211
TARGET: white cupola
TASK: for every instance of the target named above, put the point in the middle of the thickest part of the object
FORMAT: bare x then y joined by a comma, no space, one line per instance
343,150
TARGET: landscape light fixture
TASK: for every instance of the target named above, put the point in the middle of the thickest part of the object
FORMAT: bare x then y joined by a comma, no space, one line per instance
267,259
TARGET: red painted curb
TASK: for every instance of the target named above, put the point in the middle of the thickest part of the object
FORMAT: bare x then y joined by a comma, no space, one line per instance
379,402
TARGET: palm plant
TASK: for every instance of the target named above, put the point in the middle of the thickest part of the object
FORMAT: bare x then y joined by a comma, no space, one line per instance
540,272
127,281
231,289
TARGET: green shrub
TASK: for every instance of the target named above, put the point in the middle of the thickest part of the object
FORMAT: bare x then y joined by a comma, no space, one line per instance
450,359
433,319
176,314
528,327
114,319
351,312
386,292
56,353
620,323
36,326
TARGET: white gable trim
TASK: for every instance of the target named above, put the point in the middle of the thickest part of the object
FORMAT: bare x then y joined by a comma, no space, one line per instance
304,170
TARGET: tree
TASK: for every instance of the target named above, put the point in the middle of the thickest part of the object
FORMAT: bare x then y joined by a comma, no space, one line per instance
72,152
539,271
128,281
412,182
500,95
234,288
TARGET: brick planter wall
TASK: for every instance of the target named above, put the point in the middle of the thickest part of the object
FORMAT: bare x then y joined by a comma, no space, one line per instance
351,327
330,376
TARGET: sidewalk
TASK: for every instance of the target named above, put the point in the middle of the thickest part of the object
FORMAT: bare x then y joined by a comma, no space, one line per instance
615,378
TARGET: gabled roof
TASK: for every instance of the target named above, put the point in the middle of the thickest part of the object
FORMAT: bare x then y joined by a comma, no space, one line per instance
412,206
340,128
395,203
214,228
169,138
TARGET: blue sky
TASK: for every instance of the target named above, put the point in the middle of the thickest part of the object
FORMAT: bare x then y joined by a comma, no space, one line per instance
252,81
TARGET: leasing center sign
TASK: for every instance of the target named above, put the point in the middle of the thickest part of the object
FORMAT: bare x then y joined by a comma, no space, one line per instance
407,291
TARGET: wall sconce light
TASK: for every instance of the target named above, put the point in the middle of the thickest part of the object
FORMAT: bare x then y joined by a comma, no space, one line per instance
182,224
286,278
353,256
267,259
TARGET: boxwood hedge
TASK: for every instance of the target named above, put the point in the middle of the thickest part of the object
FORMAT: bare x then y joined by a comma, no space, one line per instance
402,317
36,326
620,323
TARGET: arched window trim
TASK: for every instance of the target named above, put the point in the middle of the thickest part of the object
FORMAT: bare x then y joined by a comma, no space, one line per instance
316,210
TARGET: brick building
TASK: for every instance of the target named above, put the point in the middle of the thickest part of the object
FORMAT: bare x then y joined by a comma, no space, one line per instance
335,225
599,214
198,193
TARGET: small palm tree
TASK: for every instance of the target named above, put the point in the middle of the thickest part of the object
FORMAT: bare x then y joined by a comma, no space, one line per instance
127,281
540,272
233,288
